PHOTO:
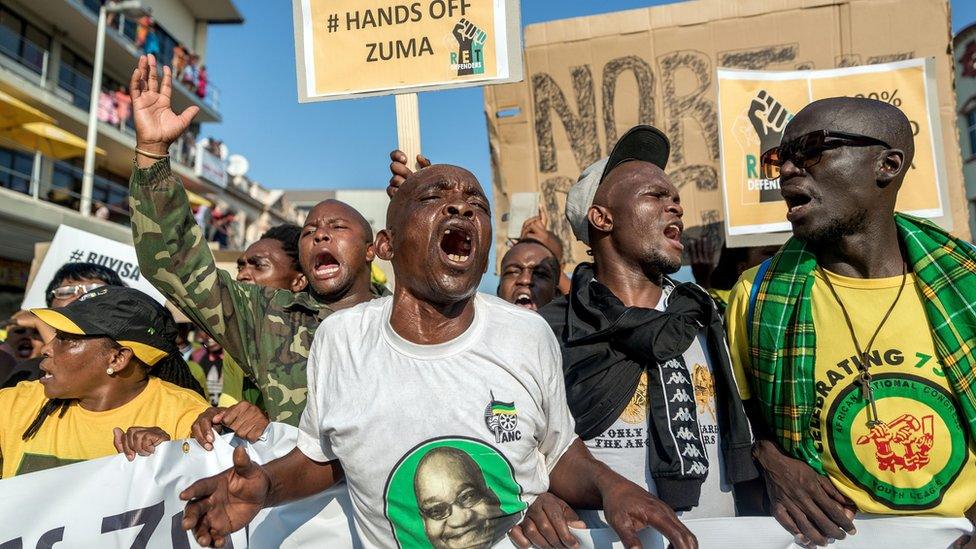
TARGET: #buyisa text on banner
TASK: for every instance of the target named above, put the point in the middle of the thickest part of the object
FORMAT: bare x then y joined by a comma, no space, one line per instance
71,245
359,48
755,106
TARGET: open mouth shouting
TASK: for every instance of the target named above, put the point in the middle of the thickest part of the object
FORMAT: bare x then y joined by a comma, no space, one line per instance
672,233
456,244
326,266
523,298
25,348
798,202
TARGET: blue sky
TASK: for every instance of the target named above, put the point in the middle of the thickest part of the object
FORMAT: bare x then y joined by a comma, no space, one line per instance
345,144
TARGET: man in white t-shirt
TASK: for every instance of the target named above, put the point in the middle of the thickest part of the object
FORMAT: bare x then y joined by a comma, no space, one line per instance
648,376
445,409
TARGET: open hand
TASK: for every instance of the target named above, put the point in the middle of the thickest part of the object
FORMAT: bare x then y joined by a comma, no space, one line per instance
546,524
222,504
805,503
157,125
138,440
628,508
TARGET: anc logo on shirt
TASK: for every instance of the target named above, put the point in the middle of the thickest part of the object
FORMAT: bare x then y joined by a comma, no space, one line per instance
502,420
906,462
452,492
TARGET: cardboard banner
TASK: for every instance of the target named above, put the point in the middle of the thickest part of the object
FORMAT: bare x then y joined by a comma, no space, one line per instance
359,48
71,245
112,502
589,79
755,106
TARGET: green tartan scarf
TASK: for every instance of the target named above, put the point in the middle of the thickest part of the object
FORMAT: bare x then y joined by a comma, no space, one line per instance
783,342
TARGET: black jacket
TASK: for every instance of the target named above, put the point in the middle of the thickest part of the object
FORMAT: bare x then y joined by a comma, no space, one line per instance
597,394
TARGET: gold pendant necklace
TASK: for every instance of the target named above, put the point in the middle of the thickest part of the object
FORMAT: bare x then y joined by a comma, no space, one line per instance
864,377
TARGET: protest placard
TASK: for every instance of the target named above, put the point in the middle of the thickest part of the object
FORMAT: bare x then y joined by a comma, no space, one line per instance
589,79
755,106
358,48
71,245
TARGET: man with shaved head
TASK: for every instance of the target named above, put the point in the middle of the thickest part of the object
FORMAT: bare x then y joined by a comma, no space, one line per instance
647,374
854,345
529,275
433,369
268,331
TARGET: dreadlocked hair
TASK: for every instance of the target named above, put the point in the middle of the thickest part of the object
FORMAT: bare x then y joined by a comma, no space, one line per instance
49,408
171,368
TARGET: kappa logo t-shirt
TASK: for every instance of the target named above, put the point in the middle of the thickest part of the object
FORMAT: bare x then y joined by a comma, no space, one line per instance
623,446
920,458
442,445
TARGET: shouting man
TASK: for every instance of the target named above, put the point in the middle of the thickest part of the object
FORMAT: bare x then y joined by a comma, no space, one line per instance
268,331
648,377
432,371
857,338
529,275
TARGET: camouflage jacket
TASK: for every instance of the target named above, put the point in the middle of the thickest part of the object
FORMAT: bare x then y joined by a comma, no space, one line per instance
267,331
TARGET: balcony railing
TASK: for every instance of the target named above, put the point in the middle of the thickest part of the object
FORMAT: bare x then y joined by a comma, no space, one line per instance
25,53
77,84
128,27
59,182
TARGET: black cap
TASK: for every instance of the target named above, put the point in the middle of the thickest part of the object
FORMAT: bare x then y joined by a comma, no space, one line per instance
126,315
642,142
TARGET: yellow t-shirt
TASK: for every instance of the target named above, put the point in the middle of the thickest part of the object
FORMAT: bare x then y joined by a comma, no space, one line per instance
922,460
82,435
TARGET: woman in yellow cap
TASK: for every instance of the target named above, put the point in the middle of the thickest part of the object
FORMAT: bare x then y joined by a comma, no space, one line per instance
112,364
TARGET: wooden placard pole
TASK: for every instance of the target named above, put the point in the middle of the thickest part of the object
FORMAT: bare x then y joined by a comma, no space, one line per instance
408,126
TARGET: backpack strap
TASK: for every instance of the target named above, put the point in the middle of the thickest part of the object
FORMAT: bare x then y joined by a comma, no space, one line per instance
754,293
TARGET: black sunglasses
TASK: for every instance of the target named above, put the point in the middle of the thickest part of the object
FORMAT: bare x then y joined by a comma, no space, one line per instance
805,151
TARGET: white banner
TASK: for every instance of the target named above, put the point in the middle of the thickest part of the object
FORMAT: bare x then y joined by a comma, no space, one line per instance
71,245
111,502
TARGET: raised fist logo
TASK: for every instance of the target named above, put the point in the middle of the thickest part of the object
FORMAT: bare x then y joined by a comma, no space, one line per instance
471,42
769,118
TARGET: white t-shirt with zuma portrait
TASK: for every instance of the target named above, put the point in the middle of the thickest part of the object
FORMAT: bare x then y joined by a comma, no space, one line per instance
442,445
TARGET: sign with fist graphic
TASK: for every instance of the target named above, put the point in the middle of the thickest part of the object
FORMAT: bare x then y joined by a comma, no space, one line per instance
359,48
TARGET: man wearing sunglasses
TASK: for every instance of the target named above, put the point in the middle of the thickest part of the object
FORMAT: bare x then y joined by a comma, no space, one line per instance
854,344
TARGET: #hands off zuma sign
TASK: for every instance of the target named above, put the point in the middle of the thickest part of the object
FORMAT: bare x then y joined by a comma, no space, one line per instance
755,106
358,48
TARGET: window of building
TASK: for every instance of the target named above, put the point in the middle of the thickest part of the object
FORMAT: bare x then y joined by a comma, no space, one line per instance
22,41
166,45
75,76
15,170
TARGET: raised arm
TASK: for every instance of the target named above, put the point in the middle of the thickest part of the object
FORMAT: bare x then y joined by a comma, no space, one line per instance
173,253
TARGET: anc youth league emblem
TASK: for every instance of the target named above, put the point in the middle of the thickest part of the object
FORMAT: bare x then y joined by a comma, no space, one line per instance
906,461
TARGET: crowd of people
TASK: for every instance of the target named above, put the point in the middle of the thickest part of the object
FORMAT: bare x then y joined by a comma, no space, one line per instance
828,378
115,106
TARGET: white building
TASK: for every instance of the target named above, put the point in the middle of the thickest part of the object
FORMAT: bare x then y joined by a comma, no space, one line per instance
46,63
